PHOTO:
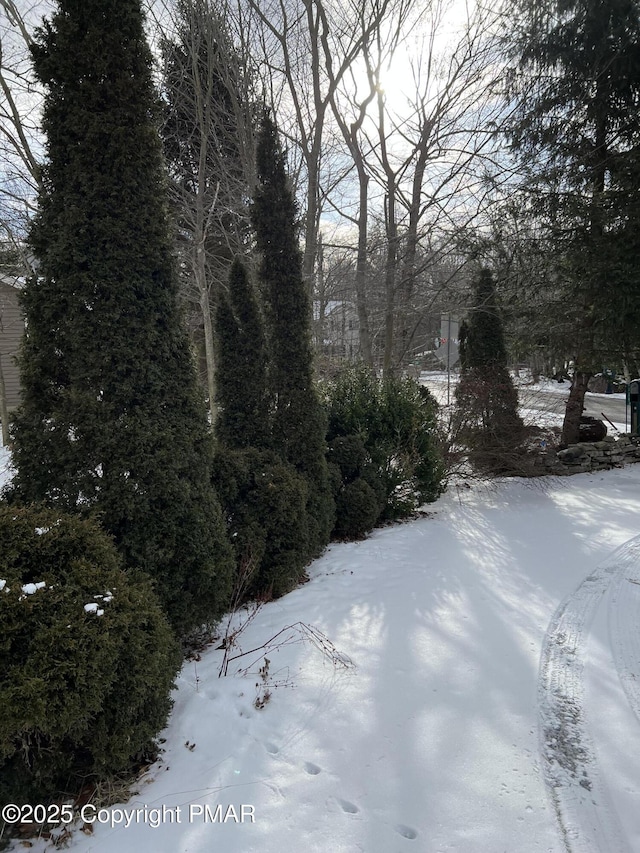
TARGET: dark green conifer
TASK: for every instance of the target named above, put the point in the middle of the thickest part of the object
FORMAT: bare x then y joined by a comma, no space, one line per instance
576,130
486,400
112,422
484,345
299,422
241,380
265,501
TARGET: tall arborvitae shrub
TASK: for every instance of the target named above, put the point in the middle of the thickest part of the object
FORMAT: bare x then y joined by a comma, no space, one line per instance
241,371
486,417
112,421
299,421
264,498
265,502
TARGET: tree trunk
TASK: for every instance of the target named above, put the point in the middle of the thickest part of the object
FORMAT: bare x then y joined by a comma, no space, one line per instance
201,230
312,155
575,406
4,409
320,300
209,351
350,134
311,224
575,403
364,332
391,227
407,279
390,280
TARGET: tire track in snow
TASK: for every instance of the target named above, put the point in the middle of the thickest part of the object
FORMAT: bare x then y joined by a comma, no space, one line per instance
588,822
624,624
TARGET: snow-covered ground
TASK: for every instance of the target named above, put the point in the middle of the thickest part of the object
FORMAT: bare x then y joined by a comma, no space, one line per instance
5,466
408,710
541,403
522,381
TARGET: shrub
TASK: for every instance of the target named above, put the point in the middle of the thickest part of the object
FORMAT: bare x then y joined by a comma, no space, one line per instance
335,479
486,420
357,510
358,490
264,501
241,366
87,658
299,427
349,454
395,420
112,421
486,416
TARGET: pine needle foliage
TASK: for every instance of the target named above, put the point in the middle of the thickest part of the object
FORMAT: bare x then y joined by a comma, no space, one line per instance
393,421
575,84
265,503
87,658
359,493
486,417
241,379
112,421
299,423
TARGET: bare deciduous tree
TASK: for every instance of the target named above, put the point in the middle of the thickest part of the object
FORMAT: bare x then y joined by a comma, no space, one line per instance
208,133
428,157
309,47
19,116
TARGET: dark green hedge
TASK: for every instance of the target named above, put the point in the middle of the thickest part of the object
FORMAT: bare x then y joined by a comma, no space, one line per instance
399,451
87,657
264,501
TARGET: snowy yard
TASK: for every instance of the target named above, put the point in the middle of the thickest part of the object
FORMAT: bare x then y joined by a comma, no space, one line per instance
541,404
431,740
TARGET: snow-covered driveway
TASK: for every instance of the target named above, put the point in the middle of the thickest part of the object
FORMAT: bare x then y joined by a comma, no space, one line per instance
437,738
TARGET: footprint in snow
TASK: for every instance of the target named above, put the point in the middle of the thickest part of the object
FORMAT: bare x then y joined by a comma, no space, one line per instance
406,831
312,769
347,807
271,748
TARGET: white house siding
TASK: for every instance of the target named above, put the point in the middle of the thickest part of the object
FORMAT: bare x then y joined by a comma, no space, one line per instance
11,331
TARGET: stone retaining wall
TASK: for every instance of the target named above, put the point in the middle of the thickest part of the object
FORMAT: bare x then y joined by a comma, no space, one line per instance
611,452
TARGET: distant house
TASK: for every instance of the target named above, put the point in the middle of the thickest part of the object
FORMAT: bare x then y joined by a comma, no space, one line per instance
11,331
337,327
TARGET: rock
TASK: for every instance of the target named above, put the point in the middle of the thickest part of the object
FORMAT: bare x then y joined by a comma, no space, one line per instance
592,429
571,454
567,470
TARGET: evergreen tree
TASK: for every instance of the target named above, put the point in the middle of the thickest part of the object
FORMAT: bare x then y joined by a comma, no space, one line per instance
484,345
486,399
263,496
299,422
577,132
112,422
243,418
